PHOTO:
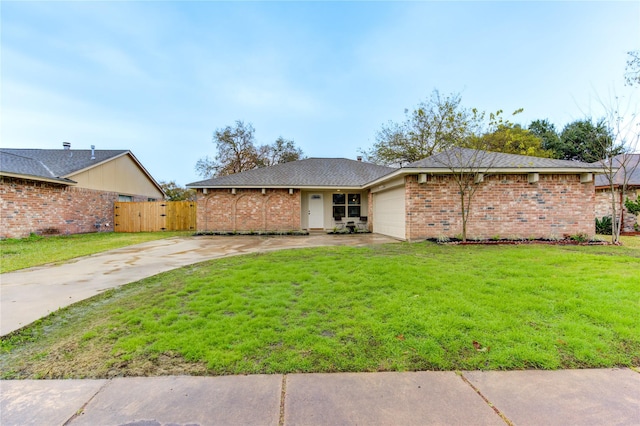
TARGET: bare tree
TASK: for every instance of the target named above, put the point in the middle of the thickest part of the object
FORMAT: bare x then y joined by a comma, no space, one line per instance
236,152
468,169
618,163
470,165
281,151
632,70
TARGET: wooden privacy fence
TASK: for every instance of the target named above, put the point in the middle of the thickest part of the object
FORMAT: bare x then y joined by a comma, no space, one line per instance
153,216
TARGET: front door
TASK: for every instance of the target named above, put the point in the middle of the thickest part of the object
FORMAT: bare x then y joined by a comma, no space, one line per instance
316,211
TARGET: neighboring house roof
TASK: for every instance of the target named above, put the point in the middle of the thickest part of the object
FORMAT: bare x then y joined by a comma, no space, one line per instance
310,172
476,159
58,165
630,171
21,166
63,162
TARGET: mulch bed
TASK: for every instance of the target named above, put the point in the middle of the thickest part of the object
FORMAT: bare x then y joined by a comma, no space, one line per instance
563,242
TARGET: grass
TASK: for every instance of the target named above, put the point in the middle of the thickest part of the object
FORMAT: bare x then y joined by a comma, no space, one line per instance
395,307
37,250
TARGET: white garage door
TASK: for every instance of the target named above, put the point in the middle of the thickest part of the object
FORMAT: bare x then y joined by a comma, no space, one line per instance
389,213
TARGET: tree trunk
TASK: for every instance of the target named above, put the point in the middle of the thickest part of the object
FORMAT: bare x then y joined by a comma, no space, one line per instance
464,218
616,217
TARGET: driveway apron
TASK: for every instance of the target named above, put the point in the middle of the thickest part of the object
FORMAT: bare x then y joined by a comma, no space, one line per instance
30,294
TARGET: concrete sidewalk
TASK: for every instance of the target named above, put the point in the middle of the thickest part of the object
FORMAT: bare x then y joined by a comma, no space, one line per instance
566,397
30,294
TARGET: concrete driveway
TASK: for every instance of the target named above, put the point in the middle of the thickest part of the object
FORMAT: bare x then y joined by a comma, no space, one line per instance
30,294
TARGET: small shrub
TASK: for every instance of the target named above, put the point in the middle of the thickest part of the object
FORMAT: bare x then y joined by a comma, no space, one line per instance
443,239
604,225
580,238
633,206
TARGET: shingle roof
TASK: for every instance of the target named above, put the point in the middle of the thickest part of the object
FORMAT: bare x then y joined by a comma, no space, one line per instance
52,163
19,165
328,172
632,167
465,158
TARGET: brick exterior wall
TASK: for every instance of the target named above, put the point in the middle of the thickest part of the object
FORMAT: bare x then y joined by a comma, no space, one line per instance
603,207
507,206
46,208
248,210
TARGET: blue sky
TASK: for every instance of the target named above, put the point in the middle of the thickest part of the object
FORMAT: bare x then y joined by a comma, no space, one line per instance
159,77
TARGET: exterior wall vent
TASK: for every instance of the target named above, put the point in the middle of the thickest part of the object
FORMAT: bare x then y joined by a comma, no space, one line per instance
586,177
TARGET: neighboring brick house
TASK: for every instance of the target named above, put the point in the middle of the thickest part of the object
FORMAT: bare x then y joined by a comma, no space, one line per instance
65,191
628,172
519,197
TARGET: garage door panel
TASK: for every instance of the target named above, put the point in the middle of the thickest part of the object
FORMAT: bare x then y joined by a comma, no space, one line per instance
389,213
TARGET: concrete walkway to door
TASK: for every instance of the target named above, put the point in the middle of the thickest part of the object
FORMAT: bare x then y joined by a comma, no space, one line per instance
30,294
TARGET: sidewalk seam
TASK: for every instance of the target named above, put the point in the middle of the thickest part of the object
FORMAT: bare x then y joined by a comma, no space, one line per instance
80,410
486,400
283,394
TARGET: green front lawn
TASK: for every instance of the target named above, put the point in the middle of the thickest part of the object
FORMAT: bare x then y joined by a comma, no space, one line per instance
37,250
394,307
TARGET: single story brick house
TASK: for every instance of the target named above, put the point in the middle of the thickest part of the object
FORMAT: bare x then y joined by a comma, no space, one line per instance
65,191
629,171
518,196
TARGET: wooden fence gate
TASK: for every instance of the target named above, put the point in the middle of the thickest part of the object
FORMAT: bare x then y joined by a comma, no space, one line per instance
153,216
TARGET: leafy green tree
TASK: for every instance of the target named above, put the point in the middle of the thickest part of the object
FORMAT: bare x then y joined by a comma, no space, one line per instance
177,193
237,152
458,138
582,140
436,123
546,131
513,139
